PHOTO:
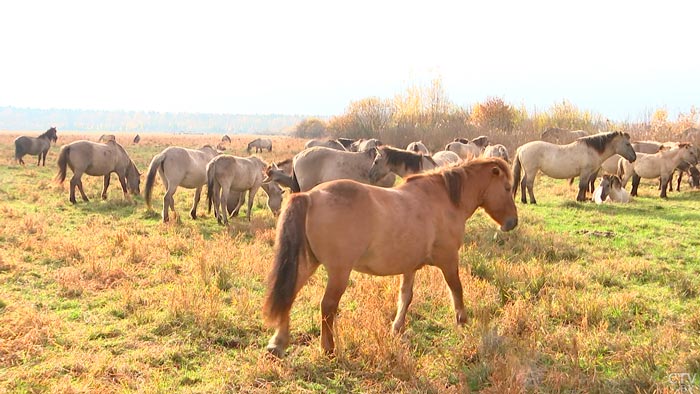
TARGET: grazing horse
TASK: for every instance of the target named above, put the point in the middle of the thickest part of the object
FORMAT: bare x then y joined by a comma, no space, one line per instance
137,139
333,144
179,167
259,144
466,151
582,158
35,146
399,230
418,147
445,158
660,164
226,138
96,159
228,173
497,150
318,164
401,162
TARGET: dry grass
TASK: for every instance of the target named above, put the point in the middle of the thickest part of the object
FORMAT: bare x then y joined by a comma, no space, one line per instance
103,297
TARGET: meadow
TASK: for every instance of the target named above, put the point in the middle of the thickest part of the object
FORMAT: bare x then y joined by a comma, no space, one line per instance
104,297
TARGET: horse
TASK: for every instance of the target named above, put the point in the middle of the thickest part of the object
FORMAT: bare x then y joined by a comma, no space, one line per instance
497,150
318,164
274,192
562,137
107,137
97,159
346,142
226,173
333,144
610,190
400,230
137,139
259,144
179,167
445,158
35,146
582,158
400,162
465,151
661,164
363,145
226,138
686,168
418,147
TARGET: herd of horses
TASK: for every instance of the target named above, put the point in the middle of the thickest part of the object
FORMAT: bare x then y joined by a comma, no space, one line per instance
333,181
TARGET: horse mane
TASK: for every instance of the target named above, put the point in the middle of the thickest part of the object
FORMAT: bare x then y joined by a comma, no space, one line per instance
453,178
413,161
601,140
684,144
50,134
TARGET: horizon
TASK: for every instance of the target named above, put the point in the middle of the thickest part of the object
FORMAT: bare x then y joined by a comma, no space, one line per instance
621,61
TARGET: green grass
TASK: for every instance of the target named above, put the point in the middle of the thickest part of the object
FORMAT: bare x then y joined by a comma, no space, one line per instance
104,297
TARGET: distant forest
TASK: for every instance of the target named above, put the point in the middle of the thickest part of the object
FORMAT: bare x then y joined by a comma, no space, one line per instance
23,119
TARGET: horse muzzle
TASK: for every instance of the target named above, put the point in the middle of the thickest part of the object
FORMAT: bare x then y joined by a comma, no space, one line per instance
509,224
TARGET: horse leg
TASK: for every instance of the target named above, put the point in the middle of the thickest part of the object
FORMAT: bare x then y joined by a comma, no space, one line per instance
523,189
251,197
169,201
122,182
583,184
73,185
678,187
197,196
38,163
80,189
664,186
530,186
405,298
279,341
635,184
105,186
44,159
337,283
223,204
451,274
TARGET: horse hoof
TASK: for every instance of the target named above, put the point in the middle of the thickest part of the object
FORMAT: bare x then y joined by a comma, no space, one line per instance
275,351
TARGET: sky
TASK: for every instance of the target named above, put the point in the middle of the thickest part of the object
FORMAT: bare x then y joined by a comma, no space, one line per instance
620,59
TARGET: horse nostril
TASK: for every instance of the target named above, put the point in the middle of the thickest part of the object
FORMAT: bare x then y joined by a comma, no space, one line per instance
509,224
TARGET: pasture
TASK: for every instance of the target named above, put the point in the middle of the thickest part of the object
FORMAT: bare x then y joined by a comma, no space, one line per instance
104,297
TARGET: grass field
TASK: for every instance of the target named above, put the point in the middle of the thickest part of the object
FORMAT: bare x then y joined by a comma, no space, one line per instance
104,297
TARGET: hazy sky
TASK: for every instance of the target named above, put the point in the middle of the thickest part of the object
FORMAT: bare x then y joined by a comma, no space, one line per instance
618,58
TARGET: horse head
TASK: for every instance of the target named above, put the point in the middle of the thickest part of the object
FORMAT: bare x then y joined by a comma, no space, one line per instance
133,179
497,197
622,145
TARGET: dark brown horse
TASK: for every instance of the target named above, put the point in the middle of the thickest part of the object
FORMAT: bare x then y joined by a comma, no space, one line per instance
346,225
35,146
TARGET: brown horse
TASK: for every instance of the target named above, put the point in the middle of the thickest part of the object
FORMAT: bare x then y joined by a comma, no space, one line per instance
179,167
35,146
226,173
582,158
399,230
96,159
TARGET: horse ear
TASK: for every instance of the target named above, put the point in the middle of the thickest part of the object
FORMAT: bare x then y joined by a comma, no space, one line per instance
496,171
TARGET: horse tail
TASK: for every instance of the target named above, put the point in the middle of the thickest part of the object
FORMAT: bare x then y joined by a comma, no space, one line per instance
156,163
62,163
210,185
295,182
289,245
517,168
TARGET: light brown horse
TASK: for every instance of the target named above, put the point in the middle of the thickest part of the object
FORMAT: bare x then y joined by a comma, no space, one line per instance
318,164
659,165
228,173
179,167
259,144
96,159
346,225
401,162
466,151
418,147
582,158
